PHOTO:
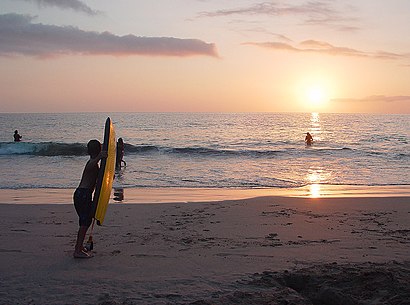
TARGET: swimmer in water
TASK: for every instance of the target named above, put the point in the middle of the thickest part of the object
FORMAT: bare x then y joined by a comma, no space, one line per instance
308,139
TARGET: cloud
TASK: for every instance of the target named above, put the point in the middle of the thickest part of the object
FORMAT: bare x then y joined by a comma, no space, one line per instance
270,8
314,13
272,45
75,5
262,30
376,98
19,36
315,46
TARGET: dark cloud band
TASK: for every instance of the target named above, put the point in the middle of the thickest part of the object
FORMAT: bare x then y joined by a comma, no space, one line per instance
376,98
20,36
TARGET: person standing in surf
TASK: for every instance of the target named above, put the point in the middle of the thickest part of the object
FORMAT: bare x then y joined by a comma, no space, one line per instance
17,137
308,139
119,154
83,196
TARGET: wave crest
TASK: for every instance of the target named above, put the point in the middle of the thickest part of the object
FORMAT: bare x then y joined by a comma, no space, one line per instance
80,149
43,149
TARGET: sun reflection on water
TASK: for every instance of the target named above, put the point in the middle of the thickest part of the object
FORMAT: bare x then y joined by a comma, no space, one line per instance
316,129
314,176
314,191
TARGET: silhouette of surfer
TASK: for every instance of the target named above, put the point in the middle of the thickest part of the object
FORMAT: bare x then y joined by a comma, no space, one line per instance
120,154
83,196
17,137
308,139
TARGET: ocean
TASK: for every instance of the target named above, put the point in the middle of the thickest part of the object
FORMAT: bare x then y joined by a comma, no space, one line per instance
210,150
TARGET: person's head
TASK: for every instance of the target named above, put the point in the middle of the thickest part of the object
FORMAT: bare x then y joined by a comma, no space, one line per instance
16,131
94,148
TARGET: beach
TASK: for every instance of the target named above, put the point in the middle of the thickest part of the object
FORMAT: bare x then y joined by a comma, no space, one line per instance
260,250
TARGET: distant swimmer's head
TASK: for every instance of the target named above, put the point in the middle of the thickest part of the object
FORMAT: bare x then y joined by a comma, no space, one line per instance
94,148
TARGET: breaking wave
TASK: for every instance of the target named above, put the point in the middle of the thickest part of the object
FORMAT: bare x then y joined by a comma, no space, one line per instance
79,149
43,149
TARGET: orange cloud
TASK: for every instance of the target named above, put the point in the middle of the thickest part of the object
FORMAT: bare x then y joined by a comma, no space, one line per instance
314,46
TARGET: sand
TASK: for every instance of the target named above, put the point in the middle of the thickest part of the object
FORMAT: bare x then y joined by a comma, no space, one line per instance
265,250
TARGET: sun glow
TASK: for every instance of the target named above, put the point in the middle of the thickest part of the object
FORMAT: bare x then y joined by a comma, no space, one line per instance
316,96
314,93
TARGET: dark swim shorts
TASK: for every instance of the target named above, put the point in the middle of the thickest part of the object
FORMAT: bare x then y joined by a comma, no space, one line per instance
83,205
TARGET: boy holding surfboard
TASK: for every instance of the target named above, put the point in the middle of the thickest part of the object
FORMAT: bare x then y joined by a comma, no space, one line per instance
83,196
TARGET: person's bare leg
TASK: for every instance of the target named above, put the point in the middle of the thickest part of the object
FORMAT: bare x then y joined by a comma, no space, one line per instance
79,248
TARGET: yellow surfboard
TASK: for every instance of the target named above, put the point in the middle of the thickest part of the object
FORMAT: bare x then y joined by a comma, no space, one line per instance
106,174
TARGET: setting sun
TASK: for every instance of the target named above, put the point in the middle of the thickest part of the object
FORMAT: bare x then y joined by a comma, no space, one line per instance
316,96
314,92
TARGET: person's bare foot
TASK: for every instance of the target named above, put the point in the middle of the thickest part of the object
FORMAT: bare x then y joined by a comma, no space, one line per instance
82,254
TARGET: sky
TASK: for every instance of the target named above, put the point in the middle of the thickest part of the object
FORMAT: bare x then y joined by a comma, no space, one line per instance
337,56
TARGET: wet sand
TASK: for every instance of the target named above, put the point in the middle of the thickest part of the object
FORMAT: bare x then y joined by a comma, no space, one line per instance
167,195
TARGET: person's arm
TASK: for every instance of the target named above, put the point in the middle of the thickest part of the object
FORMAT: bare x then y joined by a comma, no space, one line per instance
93,162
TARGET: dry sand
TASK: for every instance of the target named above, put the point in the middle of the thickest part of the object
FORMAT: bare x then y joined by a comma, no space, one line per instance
266,250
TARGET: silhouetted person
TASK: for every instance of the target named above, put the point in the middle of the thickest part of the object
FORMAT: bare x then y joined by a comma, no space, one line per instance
17,137
308,139
84,193
120,154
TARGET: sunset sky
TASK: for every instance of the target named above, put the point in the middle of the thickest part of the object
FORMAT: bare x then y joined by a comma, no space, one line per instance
205,55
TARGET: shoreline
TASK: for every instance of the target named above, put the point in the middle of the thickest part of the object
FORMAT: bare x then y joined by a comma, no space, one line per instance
173,195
